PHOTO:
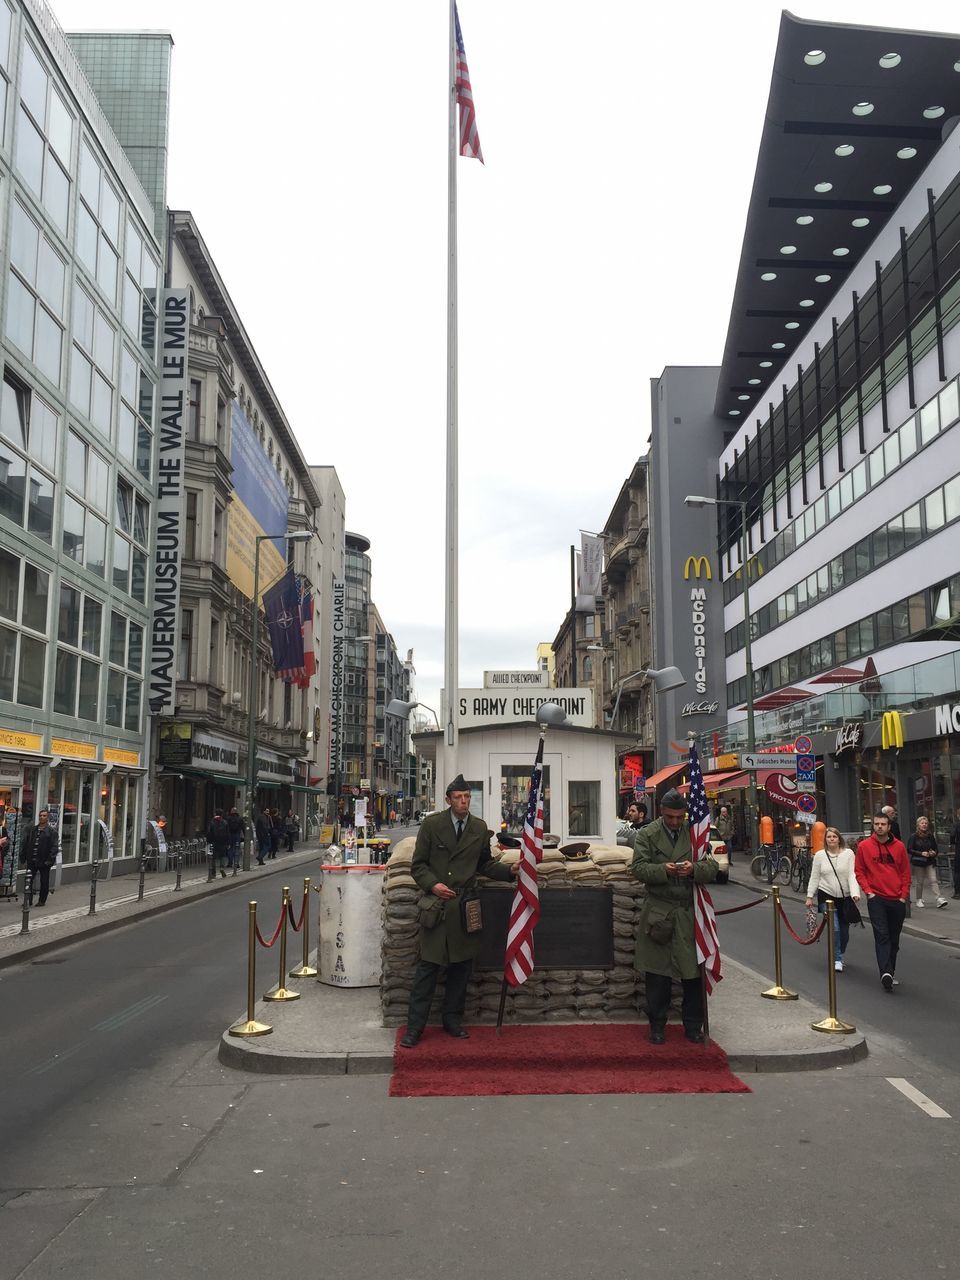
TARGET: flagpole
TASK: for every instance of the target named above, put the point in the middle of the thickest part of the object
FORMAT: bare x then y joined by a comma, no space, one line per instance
450,666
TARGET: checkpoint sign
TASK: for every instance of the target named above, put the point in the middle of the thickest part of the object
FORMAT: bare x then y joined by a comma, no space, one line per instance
807,803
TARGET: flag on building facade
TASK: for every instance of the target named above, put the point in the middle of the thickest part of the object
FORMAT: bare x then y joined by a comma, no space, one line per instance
469,138
301,672
525,912
281,604
704,919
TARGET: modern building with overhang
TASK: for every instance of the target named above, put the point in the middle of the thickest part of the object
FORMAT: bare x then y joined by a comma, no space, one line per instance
838,393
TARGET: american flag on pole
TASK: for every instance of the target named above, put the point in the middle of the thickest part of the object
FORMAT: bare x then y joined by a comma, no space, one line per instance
525,912
704,919
469,138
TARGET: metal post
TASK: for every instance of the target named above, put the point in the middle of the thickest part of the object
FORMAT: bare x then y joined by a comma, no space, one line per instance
211,864
252,695
778,991
282,992
178,886
27,896
752,816
94,872
251,1027
832,1023
304,970
143,876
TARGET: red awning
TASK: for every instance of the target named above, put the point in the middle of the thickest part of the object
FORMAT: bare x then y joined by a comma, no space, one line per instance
662,775
714,781
782,698
840,675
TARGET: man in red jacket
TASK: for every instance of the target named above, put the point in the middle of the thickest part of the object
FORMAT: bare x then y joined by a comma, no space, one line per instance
883,872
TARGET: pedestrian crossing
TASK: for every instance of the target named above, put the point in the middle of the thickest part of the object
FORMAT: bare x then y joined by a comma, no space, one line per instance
48,920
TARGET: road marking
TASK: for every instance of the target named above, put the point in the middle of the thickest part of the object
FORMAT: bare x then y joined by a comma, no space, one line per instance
127,1015
921,1099
56,1060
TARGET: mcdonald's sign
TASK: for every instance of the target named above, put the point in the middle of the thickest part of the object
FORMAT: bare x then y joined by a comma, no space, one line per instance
891,730
699,566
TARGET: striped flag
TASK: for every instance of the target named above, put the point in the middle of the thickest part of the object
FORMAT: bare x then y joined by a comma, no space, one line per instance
525,912
469,138
704,919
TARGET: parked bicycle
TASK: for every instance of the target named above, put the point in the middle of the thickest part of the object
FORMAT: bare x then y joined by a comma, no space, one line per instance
802,864
771,863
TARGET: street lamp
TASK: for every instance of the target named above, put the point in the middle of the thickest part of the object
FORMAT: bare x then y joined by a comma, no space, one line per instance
663,678
303,535
397,707
697,500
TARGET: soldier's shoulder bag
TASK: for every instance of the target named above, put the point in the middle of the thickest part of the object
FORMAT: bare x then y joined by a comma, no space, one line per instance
430,910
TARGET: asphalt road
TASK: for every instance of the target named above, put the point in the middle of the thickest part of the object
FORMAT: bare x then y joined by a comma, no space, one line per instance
127,1151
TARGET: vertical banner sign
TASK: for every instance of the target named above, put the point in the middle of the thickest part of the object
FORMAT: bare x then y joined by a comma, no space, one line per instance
337,656
164,630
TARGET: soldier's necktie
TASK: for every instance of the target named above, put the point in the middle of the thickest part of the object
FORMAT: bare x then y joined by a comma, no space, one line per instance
459,828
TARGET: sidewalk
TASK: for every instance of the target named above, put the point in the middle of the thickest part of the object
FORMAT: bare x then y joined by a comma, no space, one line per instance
333,1031
65,918
936,924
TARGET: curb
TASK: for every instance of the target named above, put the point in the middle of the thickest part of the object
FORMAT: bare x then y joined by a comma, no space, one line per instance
853,1049
236,1053
108,924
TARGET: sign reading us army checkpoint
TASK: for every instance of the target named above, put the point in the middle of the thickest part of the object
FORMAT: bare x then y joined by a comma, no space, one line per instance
510,705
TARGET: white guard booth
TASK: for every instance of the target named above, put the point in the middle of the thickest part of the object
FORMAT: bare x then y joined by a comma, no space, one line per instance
348,952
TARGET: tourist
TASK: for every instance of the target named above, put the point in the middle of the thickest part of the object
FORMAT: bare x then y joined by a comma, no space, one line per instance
833,879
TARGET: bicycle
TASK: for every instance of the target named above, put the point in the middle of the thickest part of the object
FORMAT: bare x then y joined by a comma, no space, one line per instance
771,863
800,874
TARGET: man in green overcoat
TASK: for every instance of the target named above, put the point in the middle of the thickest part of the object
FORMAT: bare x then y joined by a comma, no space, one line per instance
666,947
453,848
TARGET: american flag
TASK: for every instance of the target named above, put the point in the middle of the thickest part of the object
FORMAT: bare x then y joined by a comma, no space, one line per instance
704,919
469,138
525,912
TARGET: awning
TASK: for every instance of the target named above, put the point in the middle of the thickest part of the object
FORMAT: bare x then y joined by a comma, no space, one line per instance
782,698
310,791
222,779
712,781
662,775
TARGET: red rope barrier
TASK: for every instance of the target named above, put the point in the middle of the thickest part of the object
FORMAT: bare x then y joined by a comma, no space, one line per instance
276,933
296,925
729,911
804,942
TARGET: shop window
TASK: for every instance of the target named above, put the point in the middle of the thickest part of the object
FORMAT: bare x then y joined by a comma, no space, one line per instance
514,794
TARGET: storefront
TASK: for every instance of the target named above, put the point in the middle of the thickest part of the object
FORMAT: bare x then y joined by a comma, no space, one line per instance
198,774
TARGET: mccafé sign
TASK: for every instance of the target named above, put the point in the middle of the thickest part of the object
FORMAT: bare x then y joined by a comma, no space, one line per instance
849,737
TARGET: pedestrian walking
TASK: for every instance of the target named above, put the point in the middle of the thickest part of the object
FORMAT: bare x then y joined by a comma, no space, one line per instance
276,831
923,851
882,869
891,811
39,850
452,849
955,843
666,945
291,829
833,878
218,838
261,827
236,828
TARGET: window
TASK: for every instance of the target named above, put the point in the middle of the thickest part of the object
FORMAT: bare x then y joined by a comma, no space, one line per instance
193,418
135,419
28,457
583,807
98,223
587,670
35,291
131,525
76,690
24,591
190,538
5,65
92,362
590,626
140,276
185,664
84,526
44,140
514,792
124,678
219,558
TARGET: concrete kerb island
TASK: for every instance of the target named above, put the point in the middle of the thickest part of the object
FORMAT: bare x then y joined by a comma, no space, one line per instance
335,1031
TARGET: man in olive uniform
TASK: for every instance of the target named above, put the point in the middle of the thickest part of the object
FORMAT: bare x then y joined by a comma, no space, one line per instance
453,848
666,947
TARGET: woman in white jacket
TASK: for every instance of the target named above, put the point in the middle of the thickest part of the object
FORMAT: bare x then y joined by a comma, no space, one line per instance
832,877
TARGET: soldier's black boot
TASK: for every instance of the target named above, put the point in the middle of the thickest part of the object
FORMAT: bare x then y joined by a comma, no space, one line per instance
658,1033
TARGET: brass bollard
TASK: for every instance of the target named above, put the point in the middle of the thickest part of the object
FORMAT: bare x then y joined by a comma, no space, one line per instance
832,1023
282,992
304,970
251,1027
778,991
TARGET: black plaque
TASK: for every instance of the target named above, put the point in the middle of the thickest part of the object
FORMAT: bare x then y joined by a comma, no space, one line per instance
575,930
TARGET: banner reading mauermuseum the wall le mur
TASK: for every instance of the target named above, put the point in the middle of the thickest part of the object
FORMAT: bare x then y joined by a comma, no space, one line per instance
172,415
337,656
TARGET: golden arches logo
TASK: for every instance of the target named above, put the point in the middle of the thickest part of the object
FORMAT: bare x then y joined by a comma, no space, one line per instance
699,566
891,730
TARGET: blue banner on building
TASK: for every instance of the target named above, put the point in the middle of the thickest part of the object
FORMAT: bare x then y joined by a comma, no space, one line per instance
281,604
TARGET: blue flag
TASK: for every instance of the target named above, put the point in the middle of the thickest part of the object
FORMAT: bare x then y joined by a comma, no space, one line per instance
281,604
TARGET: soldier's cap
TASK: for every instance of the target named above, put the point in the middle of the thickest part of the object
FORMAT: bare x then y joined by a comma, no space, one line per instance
458,784
507,842
672,799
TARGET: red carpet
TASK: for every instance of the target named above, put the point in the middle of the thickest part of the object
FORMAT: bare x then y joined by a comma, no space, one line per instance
576,1058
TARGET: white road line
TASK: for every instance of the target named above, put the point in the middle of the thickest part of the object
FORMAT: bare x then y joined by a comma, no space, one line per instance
58,917
921,1099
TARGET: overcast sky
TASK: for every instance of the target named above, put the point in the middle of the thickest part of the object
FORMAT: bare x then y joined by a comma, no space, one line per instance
598,243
